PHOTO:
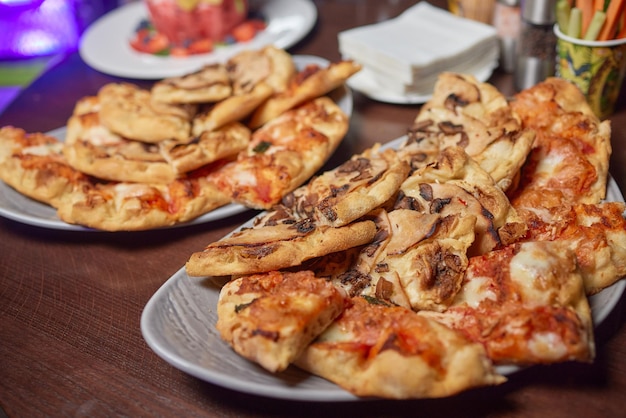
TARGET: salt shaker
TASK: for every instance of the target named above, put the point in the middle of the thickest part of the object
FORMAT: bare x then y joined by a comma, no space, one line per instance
536,46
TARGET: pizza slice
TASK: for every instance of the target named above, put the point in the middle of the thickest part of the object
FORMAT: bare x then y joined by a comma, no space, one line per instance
224,142
255,75
428,253
283,154
267,248
34,165
415,260
564,181
92,148
271,65
341,195
359,271
526,304
271,318
209,84
130,111
307,84
376,350
475,116
455,183
595,233
570,157
124,206
233,109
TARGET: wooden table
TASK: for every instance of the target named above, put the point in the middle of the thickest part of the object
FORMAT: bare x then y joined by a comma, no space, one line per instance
70,302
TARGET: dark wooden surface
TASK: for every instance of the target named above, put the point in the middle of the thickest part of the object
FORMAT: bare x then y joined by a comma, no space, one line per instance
70,302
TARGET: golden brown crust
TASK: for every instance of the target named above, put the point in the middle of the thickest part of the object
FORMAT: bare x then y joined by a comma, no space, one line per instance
384,351
475,116
33,164
270,65
271,318
353,189
117,207
137,206
308,84
210,146
207,85
234,108
255,75
93,149
283,154
131,112
275,247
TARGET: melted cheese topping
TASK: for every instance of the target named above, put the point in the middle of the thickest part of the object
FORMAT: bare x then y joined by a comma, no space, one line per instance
475,291
531,266
547,167
43,150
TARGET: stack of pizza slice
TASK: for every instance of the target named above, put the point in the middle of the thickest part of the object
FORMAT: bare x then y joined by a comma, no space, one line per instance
247,131
413,271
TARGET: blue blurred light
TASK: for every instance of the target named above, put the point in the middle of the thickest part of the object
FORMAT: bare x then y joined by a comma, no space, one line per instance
30,28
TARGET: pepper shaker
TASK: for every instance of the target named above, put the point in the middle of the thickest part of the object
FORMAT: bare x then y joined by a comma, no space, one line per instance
536,46
507,21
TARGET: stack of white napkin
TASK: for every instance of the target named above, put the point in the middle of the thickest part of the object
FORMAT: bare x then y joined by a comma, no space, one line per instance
405,54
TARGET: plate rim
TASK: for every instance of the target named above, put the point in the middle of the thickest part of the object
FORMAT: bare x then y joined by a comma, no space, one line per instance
118,61
152,332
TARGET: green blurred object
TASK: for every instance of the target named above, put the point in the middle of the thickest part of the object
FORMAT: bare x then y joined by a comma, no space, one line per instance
21,73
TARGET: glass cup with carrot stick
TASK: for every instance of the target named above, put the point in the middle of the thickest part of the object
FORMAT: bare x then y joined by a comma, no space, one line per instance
591,49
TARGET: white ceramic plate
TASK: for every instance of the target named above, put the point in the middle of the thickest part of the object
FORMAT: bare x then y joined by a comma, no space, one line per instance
105,45
365,82
16,206
178,323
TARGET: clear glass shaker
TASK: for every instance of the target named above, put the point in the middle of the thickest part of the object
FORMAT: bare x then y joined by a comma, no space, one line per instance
507,21
536,46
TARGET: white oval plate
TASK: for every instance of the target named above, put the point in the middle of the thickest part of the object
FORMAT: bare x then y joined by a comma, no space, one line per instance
105,44
178,323
16,206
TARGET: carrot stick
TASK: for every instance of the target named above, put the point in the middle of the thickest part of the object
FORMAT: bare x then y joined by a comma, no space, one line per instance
598,5
586,7
613,15
622,31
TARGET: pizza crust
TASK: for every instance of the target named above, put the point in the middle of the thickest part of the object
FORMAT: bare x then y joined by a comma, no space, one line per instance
271,318
207,85
283,154
93,149
275,247
353,189
210,146
390,352
131,112
308,84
